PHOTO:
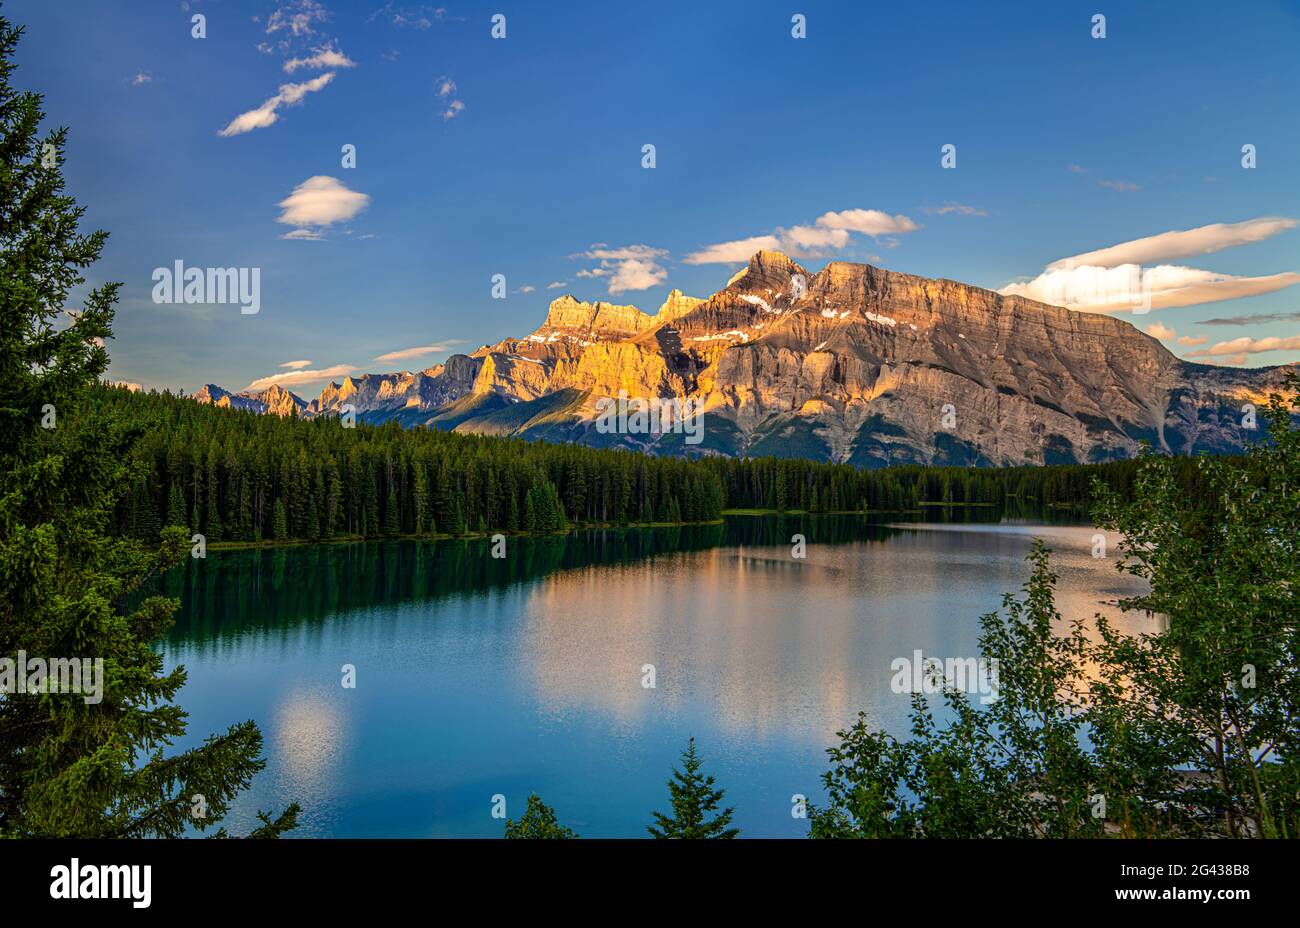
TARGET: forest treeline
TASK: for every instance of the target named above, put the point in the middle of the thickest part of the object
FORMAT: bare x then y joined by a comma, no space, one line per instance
237,476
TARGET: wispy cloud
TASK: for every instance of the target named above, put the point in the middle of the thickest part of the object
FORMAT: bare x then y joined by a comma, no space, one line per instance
1201,240
403,354
556,284
1253,319
319,202
1122,186
296,365
445,88
959,209
421,16
267,114
141,78
1161,331
299,377
297,18
325,56
1191,342
632,267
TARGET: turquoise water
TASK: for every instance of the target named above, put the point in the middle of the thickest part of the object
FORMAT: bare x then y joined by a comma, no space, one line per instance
478,677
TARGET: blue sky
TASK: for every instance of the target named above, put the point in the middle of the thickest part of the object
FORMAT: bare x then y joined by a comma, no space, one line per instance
522,156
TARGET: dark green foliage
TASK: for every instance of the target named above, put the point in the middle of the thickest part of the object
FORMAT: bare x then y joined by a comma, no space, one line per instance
305,479
693,800
231,469
69,767
1193,730
537,822
1219,689
1012,769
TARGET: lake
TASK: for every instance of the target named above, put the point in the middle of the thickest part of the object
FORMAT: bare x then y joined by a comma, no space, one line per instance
478,676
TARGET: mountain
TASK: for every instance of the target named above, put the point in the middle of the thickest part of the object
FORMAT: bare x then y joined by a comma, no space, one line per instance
853,363
275,400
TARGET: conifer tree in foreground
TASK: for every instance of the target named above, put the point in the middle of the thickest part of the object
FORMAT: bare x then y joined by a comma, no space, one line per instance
537,822
69,766
693,800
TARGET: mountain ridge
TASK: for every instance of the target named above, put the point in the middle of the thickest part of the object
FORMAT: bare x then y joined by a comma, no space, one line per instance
853,363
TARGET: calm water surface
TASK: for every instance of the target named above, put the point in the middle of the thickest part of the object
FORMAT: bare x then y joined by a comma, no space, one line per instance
478,676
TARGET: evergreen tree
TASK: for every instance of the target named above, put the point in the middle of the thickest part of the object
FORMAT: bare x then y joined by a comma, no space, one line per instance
313,520
68,766
279,521
392,520
175,505
537,822
693,800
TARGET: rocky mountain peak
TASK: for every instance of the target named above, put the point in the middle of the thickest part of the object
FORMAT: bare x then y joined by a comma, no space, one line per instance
676,305
858,367
767,270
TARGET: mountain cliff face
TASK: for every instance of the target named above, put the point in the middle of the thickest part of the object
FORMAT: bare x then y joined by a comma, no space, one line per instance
274,400
854,364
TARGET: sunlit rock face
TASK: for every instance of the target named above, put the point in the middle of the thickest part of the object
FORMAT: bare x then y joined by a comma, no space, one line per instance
851,364
275,400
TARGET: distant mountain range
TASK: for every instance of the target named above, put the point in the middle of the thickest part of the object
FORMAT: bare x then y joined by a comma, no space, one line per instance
852,364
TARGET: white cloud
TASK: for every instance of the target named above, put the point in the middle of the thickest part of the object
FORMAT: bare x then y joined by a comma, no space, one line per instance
556,284
454,109
403,353
633,267
830,232
527,288
299,377
1247,345
326,56
1122,186
1113,279
1192,342
1161,331
318,202
734,252
141,77
1119,289
267,114
812,240
1202,240
871,222
444,86
296,365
